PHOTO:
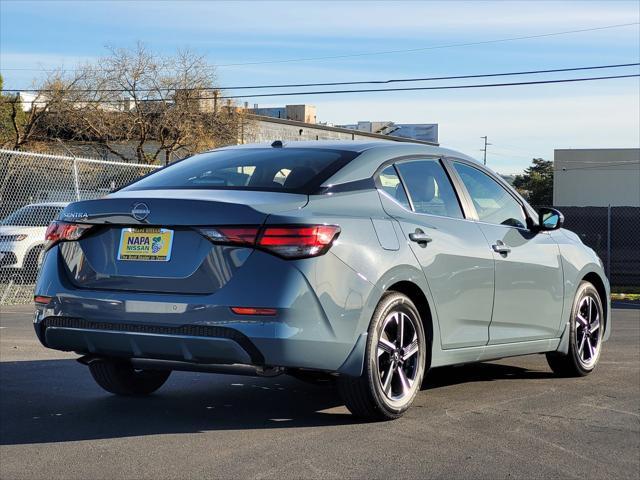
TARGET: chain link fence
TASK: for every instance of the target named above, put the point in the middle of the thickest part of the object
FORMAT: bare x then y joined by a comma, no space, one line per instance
34,188
614,233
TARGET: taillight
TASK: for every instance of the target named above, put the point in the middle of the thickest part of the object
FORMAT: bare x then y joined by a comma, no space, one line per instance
298,242
231,235
62,232
295,241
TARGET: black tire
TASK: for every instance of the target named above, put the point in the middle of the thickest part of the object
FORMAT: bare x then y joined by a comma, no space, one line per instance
119,377
365,396
573,364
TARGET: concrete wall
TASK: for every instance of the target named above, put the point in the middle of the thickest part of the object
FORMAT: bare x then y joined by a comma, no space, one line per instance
597,177
260,130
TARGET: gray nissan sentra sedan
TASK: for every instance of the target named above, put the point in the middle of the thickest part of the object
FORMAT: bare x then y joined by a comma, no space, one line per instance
366,262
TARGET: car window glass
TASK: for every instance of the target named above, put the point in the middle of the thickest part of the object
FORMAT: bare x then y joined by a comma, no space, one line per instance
429,187
282,175
493,203
391,184
300,170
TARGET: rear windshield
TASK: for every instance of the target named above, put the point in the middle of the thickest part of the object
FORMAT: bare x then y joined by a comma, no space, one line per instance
299,170
32,216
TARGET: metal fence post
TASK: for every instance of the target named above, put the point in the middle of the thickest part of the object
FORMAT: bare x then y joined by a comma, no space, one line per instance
41,182
76,183
609,242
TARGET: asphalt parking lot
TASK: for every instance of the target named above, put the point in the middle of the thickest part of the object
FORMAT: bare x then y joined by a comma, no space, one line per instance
510,418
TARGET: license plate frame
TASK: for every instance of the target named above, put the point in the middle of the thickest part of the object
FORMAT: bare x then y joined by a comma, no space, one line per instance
142,249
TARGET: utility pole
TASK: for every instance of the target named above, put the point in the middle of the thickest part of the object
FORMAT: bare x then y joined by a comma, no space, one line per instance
484,150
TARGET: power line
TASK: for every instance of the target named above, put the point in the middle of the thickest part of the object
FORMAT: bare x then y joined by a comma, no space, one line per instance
443,87
388,52
326,84
368,90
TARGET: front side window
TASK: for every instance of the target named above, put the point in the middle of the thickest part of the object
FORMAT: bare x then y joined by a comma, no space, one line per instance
429,187
276,169
493,203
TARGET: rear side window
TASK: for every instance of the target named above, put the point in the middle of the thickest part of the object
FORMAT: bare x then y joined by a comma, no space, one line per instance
429,187
390,183
297,170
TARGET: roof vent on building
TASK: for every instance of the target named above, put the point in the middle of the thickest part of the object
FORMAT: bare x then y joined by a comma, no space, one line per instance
277,144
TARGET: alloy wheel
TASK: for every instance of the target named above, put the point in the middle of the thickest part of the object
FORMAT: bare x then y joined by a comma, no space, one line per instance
588,331
398,354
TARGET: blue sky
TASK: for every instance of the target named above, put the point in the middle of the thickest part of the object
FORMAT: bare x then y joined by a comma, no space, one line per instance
521,122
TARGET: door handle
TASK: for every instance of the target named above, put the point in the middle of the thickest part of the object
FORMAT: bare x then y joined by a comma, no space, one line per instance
501,247
419,237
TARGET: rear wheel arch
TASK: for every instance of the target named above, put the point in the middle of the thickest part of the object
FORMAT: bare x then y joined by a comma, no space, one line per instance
419,299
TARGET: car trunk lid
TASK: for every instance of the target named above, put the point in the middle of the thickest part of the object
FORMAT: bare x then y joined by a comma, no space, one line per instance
193,264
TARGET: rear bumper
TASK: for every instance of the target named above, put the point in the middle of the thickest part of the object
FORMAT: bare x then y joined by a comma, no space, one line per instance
207,345
313,328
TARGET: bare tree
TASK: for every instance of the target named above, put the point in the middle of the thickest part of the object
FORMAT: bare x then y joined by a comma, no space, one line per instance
136,105
25,124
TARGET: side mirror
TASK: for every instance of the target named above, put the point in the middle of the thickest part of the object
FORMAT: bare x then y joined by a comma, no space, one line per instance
549,219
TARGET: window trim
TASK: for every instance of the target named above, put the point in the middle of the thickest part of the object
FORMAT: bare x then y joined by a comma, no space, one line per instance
463,201
450,161
378,184
438,159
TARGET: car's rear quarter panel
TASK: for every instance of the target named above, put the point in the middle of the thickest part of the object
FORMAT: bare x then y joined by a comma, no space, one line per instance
362,264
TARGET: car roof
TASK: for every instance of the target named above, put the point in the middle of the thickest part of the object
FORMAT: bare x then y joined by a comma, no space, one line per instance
344,145
350,145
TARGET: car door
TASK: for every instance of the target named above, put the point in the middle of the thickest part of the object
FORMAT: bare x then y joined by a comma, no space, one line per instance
529,277
450,249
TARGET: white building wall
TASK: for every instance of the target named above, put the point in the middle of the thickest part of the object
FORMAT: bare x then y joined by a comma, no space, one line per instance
597,177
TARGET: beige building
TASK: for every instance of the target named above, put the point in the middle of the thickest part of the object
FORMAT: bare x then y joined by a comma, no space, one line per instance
299,113
597,177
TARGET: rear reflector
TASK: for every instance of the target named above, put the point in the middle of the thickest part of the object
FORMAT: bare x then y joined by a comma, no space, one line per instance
253,311
295,241
41,299
63,231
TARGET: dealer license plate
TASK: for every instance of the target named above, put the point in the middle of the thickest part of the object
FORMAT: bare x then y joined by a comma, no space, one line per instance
145,244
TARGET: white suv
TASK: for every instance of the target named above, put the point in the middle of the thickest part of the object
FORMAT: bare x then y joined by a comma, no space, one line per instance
22,238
